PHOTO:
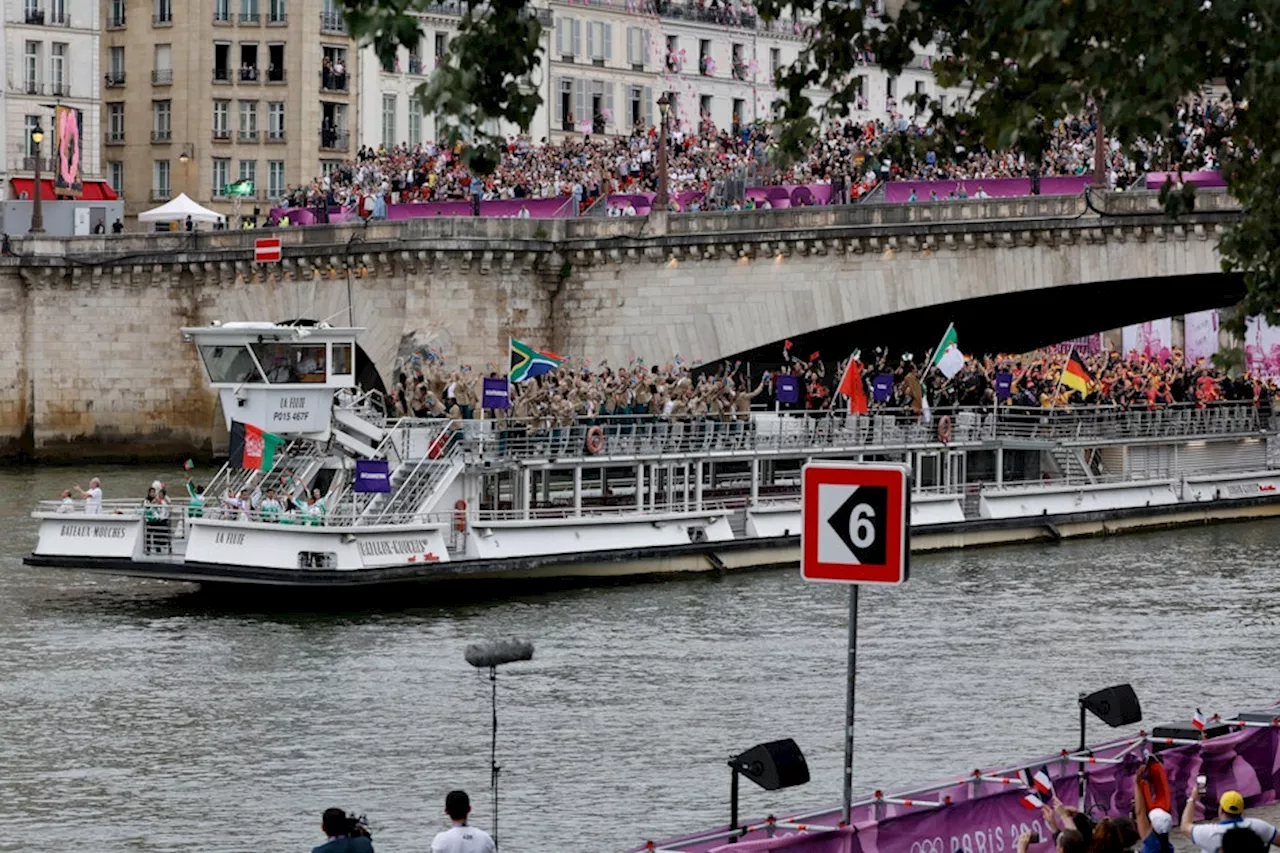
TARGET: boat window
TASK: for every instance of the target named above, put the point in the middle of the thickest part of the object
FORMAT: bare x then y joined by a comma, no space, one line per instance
288,363
342,365
229,363
317,560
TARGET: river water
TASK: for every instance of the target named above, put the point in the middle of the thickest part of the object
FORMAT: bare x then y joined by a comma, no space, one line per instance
140,716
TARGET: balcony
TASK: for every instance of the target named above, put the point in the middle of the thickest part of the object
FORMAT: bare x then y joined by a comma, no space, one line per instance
333,22
221,134
222,75
160,194
162,77
114,79
116,20
59,19
60,90
251,18
34,17
34,87
277,19
415,66
739,70
162,135
115,137
162,19
330,82
218,191
716,15
248,136
221,16
275,75
332,140
275,136
46,164
249,74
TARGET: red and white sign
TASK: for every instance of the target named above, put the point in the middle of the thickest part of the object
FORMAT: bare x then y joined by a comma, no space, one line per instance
266,250
856,523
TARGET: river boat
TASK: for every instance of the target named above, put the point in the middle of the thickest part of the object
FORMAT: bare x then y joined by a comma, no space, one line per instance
502,500
987,810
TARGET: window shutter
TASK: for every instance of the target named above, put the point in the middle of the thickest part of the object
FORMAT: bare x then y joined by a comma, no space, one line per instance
591,39
558,106
608,41
608,105
580,102
645,48
648,106
562,37
577,37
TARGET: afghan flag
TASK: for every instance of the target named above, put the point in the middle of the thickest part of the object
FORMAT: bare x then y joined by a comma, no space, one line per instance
527,362
251,447
1075,375
851,387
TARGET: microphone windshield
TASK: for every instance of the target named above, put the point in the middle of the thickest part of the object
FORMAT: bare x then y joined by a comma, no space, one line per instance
497,652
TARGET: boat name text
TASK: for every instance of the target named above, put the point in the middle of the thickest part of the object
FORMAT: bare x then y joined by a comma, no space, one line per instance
397,547
227,537
93,531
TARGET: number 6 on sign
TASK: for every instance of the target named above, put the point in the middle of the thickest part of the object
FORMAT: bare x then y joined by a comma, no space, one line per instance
855,523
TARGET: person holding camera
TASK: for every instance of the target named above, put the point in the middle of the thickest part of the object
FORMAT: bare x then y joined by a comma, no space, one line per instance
1208,836
346,834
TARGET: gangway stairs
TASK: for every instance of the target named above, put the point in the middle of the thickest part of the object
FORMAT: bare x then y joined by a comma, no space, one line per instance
418,484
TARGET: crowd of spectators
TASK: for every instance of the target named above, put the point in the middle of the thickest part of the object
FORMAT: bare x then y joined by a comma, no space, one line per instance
427,387
852,156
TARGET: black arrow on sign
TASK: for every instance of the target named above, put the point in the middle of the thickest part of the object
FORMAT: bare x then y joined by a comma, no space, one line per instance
875,500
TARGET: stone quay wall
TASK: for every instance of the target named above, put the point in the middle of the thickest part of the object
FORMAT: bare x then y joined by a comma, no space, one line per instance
92,363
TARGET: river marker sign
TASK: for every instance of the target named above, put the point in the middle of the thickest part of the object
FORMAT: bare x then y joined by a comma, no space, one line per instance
266,250
855,523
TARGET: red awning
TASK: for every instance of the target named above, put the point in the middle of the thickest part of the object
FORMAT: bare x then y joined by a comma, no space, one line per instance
91,190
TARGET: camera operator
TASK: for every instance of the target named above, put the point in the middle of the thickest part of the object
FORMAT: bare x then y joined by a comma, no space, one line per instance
347,834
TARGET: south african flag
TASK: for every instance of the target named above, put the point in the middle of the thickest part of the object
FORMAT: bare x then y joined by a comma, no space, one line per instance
527,362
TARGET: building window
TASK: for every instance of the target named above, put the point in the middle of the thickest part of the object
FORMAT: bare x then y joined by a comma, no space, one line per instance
249,62
328,167
568,38
706,64
919,91
775,61
221,176
221,11
161,121
389,121
333,69
160,180
704,110
115,176
31,67
739,69
637,48
249,172
442,44
248,11
29,124
276,12
275,63
739,107
248,121
275,122
275,178
674,63
599,42
221,121
162,74
115,66
601,105
564,104
163,15
415,121
331,19
116,14
115,122
58,12
58,69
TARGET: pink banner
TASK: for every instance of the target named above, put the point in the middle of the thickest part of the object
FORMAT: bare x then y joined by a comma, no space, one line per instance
1156,180
1200,340
896,192
988,816
1153,339
1261,348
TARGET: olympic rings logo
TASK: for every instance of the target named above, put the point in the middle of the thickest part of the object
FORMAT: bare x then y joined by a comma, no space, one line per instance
928,845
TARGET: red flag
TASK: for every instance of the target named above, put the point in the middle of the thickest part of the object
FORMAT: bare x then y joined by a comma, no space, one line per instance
814,355
851,387
786,345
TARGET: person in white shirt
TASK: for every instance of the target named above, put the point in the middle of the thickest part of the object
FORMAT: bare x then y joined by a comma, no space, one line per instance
1208,836
67,505
461,837
92,497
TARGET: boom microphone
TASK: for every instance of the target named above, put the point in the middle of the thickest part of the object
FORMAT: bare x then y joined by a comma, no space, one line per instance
497,652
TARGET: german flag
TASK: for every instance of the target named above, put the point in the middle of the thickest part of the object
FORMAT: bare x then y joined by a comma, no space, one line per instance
1076,376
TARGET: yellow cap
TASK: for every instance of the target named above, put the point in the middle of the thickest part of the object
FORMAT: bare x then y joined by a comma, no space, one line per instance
1232,803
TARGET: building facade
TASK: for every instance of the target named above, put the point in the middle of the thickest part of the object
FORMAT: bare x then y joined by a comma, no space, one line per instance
228,101
611,60
51,60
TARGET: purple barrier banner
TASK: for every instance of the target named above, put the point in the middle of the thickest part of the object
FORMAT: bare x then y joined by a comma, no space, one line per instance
788,390
987,816
896,192
643,202
538,208
307,215
1155,180
497,393
882,387
791,195
372,475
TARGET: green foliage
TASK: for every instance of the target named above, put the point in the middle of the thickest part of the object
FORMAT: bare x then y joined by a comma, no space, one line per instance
1021,63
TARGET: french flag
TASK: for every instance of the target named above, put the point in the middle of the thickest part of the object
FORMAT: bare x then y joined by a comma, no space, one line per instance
1039,780
1198,721
1032,802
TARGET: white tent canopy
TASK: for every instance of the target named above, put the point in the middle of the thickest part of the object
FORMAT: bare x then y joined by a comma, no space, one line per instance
177,210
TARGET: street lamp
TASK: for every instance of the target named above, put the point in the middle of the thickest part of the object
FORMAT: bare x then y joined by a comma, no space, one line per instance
37,212
664,107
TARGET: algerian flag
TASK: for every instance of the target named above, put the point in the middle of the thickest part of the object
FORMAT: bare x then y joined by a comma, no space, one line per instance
947,357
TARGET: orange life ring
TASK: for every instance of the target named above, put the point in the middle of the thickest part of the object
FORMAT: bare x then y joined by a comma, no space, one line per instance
1155,787
460,515
595,440
944,429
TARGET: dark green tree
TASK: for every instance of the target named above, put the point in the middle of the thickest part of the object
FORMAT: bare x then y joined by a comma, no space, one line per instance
1020,63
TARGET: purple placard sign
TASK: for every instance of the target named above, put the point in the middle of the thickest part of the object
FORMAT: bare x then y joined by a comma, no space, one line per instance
1004,384
882,387
497,394
372,475
788,390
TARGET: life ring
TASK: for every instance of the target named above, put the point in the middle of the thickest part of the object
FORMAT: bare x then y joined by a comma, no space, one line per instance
1155,787
460,515
944,429
595,440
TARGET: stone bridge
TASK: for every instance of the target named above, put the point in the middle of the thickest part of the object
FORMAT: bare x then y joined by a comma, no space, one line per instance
91,361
